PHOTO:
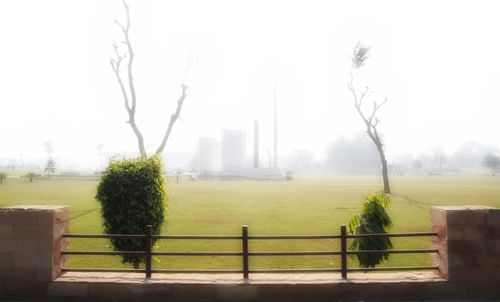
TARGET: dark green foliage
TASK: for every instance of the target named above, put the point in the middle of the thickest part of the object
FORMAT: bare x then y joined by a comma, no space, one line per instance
3,176
132,195
372,220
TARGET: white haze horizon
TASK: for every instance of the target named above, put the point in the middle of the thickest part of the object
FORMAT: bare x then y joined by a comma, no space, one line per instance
435,62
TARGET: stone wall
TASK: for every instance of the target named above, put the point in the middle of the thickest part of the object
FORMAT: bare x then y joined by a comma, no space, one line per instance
469,243
468,260
30,246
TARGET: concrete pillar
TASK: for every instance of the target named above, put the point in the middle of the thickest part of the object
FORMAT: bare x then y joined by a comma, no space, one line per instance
468,243
30,246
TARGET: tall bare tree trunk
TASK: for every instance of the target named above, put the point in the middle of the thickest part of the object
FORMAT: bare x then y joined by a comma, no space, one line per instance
380,148
359,56
385,175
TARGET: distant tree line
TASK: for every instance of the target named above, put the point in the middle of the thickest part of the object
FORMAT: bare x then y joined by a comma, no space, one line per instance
358,155
469,156
355,154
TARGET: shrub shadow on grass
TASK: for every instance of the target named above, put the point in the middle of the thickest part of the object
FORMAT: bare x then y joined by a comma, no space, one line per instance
81,213
411,201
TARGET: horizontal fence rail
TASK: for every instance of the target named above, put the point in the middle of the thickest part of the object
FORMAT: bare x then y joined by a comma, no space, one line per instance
245,254
392,235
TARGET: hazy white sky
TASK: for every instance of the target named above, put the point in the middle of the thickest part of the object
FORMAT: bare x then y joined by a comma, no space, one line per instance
435,61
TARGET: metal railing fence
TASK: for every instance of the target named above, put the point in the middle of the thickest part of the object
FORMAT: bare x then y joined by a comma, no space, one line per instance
148,253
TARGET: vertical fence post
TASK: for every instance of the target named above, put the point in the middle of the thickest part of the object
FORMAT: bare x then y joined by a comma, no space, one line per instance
343,251
244,235
149,247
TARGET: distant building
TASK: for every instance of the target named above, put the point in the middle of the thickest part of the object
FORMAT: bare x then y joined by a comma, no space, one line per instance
233,150
207,155
179,160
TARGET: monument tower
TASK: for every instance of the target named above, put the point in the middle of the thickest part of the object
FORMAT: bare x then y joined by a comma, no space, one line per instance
256,144
275,129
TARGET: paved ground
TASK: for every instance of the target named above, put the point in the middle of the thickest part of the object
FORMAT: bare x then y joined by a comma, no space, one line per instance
134,278
114,300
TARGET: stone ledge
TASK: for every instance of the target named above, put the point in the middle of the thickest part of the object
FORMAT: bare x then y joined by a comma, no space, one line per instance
464,208
266,287
233,288
353,278
34,215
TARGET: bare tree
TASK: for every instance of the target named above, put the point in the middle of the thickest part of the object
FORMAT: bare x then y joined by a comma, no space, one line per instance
440,159
491,161
2,177
125,58
50,166
359,56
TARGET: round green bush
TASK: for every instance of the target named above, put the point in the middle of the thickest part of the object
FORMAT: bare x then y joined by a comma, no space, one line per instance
132,195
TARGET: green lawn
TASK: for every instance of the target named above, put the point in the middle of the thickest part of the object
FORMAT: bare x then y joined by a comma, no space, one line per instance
304,206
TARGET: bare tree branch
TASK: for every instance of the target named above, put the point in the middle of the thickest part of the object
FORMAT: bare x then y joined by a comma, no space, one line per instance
180,102
376,107
116,68
357,102
120,25
350,84
173,118
130,55
128,91
375,132
363,94
116,64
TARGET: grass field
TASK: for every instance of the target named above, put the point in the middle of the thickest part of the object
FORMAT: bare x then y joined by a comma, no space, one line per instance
304,206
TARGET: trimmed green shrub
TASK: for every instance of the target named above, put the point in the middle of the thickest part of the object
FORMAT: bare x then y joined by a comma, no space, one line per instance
372,220
132,195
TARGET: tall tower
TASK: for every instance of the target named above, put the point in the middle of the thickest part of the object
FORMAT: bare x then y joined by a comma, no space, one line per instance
256,144
233,150
275,128
207,147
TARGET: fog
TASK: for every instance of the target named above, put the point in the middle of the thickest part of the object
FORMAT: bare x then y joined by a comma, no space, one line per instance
434,61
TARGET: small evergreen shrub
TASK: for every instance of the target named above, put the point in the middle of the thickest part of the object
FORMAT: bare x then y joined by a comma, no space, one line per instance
132,195
372,220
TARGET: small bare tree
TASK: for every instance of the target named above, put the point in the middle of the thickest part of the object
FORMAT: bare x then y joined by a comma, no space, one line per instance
440,159
125,78
491,161
359,56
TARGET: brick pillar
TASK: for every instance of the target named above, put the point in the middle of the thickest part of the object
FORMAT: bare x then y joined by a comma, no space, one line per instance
468,243
30,246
